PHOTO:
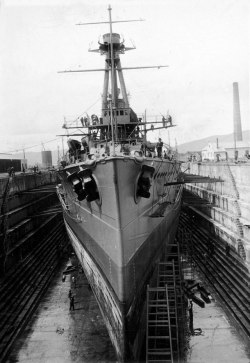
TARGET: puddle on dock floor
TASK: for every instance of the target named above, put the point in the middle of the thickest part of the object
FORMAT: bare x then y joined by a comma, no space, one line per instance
57,335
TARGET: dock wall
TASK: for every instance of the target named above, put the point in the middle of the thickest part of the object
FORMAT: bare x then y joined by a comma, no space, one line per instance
235,177
26,181
29,209
228,202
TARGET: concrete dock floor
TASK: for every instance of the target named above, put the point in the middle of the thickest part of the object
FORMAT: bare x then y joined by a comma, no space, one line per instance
57,335
216,339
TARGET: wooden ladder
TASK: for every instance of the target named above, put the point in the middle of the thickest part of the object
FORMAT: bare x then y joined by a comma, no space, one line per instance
159,320
169,275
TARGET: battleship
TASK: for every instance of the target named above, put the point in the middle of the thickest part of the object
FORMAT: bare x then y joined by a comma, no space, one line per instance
121,201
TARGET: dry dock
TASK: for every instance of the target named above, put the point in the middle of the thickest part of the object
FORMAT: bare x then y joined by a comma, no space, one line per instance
218,214
56,334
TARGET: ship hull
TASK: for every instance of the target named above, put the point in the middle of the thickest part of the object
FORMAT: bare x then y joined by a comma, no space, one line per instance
119,247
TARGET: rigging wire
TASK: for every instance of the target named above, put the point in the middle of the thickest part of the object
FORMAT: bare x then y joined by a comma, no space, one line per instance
85,112
30,147
58,138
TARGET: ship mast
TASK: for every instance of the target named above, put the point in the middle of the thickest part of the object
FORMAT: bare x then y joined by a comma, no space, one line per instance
113,99
116,112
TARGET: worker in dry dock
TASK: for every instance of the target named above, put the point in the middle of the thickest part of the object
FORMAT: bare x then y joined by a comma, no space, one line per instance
210,247
11,171
72,303
227,249
191,317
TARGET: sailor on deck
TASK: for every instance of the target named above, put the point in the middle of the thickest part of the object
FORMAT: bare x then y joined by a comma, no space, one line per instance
159,146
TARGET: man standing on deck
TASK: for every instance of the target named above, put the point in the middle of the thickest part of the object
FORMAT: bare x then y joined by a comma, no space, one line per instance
159,146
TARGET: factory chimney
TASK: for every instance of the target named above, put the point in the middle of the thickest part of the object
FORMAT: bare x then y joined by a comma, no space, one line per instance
237,119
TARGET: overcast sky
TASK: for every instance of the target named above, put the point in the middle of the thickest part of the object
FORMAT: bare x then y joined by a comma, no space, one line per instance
204,42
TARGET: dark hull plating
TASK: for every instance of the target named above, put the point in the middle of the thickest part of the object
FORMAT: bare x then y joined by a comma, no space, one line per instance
125,320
